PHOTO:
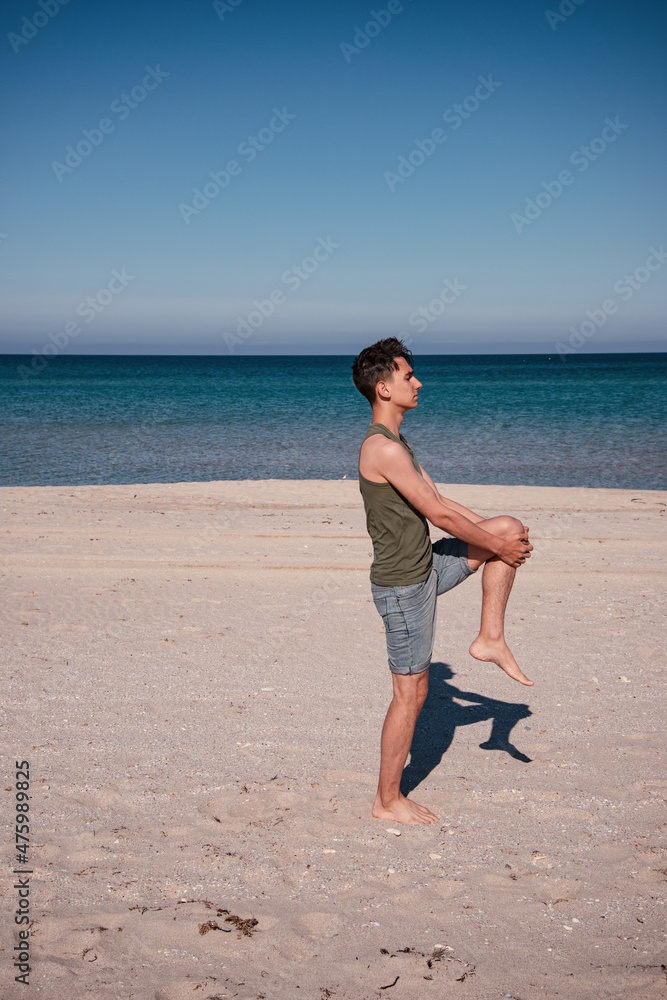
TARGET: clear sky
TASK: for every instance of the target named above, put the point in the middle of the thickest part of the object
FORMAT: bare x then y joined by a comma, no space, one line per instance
115,112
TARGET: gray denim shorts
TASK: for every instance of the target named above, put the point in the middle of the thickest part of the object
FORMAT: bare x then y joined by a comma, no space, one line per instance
409,613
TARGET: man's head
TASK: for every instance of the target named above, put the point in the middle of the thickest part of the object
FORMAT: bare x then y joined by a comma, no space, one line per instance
379,363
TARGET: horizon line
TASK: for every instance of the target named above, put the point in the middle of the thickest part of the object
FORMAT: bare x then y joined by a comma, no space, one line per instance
339,354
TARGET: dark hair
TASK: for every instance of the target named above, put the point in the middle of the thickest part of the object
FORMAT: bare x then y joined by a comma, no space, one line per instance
377,363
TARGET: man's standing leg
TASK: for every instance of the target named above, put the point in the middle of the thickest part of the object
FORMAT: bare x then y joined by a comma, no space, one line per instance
410,692
497,580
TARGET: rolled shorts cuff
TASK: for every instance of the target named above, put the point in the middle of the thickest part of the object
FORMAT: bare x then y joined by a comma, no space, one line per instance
408,671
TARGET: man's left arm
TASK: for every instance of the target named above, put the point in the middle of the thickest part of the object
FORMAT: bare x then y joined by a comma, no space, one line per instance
452,504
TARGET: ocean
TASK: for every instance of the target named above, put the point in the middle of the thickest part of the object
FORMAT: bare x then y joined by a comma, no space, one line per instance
595,420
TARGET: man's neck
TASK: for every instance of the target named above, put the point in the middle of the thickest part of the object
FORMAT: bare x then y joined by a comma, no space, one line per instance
392,420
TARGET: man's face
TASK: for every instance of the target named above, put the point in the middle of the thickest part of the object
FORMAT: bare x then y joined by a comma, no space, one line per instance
403,386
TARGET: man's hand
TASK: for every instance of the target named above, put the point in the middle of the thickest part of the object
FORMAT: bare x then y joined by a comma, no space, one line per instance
515,549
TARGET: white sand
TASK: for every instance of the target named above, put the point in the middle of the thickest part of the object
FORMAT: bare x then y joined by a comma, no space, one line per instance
198,677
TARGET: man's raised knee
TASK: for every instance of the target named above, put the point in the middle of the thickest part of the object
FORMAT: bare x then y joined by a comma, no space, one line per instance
507,525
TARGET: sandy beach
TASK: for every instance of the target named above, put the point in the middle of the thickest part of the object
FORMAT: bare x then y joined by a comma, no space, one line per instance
197,675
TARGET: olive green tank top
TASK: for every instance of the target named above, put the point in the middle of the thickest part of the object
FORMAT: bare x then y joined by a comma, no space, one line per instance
402,552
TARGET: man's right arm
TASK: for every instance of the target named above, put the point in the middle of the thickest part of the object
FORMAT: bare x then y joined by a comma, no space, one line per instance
394,463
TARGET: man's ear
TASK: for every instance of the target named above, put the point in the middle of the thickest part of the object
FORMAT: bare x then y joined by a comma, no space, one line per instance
385,387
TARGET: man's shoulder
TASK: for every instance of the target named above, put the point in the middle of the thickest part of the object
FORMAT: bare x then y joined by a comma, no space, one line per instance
380,456
380,442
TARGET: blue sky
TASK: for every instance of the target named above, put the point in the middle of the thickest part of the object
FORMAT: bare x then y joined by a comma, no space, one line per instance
333,120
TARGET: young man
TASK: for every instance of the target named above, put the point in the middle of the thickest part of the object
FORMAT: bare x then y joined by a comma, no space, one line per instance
409,572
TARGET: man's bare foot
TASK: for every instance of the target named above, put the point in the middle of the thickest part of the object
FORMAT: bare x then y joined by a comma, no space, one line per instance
498,652
403,810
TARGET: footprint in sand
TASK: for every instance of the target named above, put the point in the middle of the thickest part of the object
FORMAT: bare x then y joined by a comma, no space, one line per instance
297,948
242,808
93,797
318,926
186,989
76,947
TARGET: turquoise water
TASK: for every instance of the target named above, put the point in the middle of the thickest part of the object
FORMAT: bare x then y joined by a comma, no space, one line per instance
595,420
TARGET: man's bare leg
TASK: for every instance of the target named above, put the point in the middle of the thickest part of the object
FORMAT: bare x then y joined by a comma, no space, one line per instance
497,580
410,692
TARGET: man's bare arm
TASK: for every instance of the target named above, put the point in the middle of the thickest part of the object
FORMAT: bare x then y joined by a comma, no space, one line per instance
452,504
394,463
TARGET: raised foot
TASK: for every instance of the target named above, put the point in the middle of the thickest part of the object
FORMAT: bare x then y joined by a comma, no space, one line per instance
403,810
498,652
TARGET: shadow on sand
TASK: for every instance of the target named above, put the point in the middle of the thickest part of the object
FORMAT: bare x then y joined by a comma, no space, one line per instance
440,717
